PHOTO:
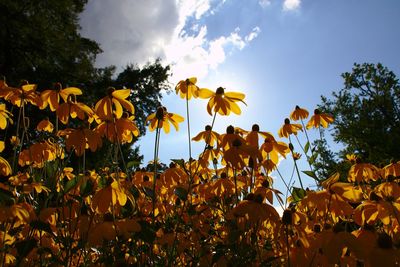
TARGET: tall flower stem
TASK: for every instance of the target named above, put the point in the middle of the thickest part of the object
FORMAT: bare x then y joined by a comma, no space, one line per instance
206,145
156,147
188,127
236,188
198,165
20,114
295,163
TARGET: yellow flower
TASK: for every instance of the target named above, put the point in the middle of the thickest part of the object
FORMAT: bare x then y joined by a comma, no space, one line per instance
161,119
299,114
252,137
319,119
81,139
74,109
289,128
187,88
39,153
112,194
273,149
117,98
222,102
52,97
45,125
5,116
18,96
363,172
209,136
5,168
124,129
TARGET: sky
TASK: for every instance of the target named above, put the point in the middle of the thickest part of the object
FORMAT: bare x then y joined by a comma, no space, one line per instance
280,53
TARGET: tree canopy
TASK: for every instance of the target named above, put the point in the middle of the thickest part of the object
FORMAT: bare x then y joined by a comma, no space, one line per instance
367,116
40,42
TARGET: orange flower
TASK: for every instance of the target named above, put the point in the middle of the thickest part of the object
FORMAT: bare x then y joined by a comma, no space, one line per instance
45,125
393,169
187,88
123,129
319,119
222,102
252,137
161,119
272,149
52,97
80,139
228,138
112,194
5,116
74,109
363,172
239,151
117,99
255,211
39,153
222,187
5,168
209,136
289,128
299,114
19,96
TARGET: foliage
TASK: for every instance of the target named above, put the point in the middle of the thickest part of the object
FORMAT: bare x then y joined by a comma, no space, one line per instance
367,117
40,41
216,210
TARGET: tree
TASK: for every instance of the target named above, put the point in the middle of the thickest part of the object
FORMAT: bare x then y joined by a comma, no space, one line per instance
40,42
367,118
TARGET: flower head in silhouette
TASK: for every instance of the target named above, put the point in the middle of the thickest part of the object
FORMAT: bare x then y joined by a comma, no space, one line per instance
221,101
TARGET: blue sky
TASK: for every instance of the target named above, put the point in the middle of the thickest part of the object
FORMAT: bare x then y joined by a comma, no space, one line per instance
279,53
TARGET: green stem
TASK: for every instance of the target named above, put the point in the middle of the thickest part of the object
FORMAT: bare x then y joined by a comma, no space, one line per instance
156,147
295,165
188,129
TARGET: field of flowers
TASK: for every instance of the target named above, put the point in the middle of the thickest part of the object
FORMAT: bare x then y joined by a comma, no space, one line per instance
213,209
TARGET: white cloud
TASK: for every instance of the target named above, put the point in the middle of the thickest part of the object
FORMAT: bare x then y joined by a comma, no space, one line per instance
289,5
264,3
253,34
139,31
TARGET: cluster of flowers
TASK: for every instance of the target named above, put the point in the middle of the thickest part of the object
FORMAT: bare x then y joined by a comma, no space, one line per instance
214,210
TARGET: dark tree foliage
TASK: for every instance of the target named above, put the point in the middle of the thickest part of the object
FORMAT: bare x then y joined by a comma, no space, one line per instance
367,118
40,42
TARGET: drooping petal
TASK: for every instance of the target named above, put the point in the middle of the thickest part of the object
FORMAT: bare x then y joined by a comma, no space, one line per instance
205,93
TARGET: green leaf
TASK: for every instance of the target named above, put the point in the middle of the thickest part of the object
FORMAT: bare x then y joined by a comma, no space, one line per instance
181,193
312,159
86,188
311,174
298,194
71,184
306,147
132,164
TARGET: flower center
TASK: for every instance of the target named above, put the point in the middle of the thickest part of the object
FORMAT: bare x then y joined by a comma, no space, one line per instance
220,91
255,128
